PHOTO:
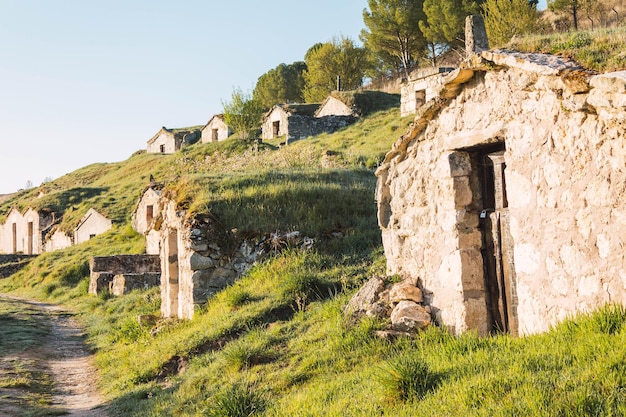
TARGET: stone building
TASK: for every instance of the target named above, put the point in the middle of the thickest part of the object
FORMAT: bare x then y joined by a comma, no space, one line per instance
423,85
168,141
91,225
506,198
293,121
356,103
25,233
144,215
57,239
215,130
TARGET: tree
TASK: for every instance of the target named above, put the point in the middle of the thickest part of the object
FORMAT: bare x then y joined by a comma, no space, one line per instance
507,18
570,6
393,34
444,24
283,84
243,114
328,62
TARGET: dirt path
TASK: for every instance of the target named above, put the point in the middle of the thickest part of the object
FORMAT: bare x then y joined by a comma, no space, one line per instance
70,363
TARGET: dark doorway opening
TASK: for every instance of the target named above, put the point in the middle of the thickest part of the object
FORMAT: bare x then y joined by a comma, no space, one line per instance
497,243
31,241
275,129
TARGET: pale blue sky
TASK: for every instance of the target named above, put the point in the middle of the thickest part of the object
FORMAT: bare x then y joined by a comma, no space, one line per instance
85,81
91,81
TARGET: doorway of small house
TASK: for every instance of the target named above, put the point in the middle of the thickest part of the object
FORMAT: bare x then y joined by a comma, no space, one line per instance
171,271
497,243
275,129
31,242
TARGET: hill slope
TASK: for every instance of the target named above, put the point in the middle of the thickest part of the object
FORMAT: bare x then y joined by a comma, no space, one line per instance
276,343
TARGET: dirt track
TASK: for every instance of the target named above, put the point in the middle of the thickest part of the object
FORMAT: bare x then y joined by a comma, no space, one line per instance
69,361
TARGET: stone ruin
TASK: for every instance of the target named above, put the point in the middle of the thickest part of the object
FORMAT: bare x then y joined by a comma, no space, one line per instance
120,274
198,257
505,201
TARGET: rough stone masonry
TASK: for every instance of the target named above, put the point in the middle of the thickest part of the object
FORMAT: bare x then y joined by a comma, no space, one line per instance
506,199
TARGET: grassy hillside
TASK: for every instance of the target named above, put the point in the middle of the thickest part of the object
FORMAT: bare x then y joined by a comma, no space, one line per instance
276,343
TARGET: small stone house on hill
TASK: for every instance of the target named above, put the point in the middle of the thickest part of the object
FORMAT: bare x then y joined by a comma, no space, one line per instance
423,85
168,141
294,121
25,233
356,103
215,130
144,216
91,225
506,197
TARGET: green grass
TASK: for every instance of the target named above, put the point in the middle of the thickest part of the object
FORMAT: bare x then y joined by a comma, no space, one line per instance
601,50
25,383
276,343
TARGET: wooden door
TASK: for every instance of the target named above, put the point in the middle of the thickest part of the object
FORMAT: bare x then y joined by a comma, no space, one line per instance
497,244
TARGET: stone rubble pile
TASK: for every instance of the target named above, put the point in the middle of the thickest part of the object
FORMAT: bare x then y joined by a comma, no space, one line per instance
401,302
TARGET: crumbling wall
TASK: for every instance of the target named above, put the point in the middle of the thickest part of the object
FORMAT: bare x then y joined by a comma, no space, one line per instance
199,258
121,273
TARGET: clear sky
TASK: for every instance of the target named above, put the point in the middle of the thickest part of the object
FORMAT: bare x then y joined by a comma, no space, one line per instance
85,81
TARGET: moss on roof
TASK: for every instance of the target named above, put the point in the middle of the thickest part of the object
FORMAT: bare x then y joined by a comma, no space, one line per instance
301,109
365,102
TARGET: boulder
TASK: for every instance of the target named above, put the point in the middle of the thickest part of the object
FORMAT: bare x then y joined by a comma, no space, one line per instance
366,298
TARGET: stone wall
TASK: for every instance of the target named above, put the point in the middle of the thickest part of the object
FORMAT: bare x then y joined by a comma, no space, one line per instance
215,130
199,258
334,107
296,126
550,136
24,233
92,224
423,85
122,273
11,264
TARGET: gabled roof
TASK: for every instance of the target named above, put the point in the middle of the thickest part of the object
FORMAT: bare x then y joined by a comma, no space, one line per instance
364,102
174,132
219,116
295,109
91,212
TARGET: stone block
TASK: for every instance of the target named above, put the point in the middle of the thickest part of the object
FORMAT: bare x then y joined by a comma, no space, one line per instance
460,164
99,281
402,291
612,82
198,262
408,316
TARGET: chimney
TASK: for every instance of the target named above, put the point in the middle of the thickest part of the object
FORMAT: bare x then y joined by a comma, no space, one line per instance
475,35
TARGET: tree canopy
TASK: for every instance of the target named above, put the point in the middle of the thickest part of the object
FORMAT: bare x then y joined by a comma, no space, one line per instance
243,114
572,7
328,61
444,24
507,18
283,84
392,33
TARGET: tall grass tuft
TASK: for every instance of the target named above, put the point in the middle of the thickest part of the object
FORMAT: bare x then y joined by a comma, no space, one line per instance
407,377
610,319
237,400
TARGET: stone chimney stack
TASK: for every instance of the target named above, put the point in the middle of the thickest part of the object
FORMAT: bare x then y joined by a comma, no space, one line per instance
475,35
